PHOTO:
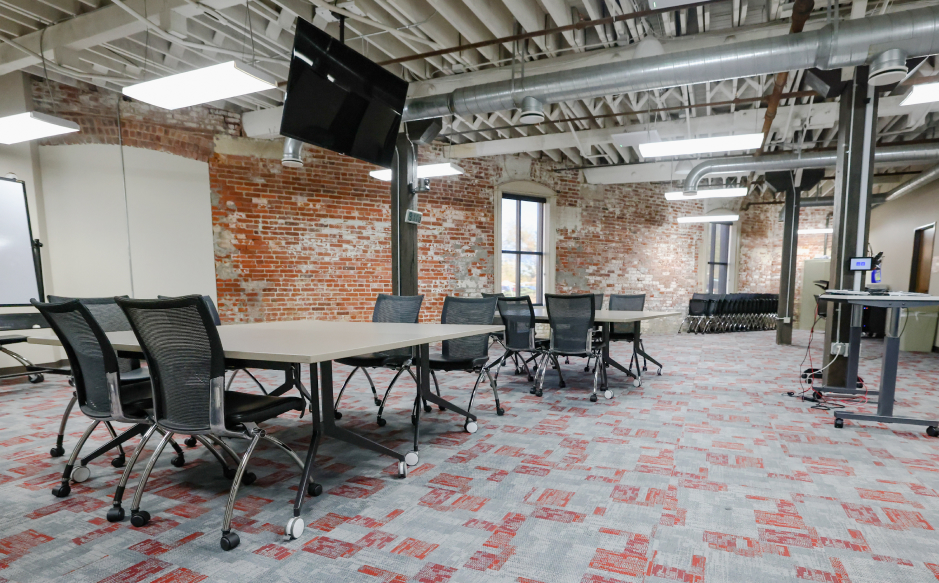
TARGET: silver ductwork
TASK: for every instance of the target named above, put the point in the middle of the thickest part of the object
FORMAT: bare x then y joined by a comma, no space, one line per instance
857,42
925,177
770,163
292,150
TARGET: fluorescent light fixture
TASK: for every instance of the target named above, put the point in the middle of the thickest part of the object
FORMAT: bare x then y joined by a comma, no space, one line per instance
32,125
826,231
710,193
425,171
709,219
925,93
701,145
221,81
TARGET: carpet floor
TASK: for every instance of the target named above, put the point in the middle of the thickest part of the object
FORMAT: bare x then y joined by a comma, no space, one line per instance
708,473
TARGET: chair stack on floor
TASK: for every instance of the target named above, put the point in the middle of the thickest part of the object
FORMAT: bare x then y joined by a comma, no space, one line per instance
708,313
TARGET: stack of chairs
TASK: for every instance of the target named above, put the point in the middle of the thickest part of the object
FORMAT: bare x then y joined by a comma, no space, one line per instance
742,312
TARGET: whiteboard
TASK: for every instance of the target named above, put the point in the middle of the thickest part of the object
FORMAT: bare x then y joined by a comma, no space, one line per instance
18,281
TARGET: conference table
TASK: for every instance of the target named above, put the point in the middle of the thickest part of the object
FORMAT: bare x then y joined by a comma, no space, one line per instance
606,319
289,345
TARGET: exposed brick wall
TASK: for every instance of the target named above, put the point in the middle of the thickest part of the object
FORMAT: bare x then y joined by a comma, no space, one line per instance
188,132
761,235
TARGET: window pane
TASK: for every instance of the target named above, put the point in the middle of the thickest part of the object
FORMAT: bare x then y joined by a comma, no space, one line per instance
509,226
530,226
530,276
508,273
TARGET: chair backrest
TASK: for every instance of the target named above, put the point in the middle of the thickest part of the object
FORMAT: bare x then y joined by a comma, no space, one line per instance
109,317
627,303
571,318
208,304
89,352
598,301
518,315
397,309
478,311
187,363
488,295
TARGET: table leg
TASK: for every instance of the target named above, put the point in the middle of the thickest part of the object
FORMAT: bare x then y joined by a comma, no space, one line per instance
314,443
637,346
607,359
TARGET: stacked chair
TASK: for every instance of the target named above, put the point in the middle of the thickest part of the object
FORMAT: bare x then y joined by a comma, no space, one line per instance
708,313
518,317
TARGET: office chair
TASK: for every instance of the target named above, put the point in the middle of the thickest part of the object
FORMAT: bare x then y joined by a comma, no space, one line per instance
625,331
571,318
518,317
468,354
389,309
102,393
179,339
697,307
111,319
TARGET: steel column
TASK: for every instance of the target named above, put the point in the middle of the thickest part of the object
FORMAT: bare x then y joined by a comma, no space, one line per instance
403,235
787,274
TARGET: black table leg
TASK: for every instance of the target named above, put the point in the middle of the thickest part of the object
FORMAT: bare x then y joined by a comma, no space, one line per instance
637,346
314,442
607,359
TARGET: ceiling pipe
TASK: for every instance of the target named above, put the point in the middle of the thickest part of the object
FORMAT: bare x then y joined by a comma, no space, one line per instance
915,32
740,164
801,11
292,151
925,177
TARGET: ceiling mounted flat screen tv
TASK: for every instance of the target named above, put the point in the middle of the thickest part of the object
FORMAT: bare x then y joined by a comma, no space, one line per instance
339,100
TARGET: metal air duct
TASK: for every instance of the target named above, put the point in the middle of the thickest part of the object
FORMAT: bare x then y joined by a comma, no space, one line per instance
292,150
882,155
924,178
915,32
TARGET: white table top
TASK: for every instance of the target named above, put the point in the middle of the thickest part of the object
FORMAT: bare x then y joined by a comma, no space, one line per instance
892,297
311,341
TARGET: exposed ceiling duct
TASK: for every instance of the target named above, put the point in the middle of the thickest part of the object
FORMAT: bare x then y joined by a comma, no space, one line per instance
882,155
924,178
856,42
292,151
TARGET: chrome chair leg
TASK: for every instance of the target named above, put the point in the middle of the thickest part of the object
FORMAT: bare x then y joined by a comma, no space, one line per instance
495,393
58,450
63,489
371,384
230,540
116,513
139,517
381,408
343,389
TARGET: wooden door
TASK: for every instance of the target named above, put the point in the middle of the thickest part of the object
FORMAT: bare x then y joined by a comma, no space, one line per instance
923,240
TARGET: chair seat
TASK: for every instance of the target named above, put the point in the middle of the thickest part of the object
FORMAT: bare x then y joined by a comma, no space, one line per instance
540,344
135,376
250,408
136,397
622,337
439,362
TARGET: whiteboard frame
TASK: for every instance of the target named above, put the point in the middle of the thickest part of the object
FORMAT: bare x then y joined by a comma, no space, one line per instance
37,267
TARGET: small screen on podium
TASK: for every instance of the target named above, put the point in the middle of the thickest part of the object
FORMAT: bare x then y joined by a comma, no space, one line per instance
861,263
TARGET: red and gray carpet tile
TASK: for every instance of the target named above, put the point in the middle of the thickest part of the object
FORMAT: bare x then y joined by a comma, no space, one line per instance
708,473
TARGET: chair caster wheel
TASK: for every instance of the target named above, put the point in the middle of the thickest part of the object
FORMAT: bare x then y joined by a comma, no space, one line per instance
229,473
337,415
178,461
531,379
190,441
115,514
140,518
412,458
382,422
248,478
80,474
586,369
428,408
500,411
533,391
229,541
637,383
839,423
659,371
645,368
932,431
518,371
61,491
593,398
608,394
293,530
57,451
119,461
314,489
441,407
539,393
36,378
562,385
402,470
471,427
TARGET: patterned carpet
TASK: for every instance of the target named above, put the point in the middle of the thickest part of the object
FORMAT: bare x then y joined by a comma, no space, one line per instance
709,473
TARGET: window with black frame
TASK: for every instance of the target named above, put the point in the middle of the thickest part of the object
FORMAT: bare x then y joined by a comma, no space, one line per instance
523,246
718,259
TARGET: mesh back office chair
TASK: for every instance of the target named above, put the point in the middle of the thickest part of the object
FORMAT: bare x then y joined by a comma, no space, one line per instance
468,354
518,317
388,309
102,393
111,319
571,318
625,331
697,306
598,330
187,369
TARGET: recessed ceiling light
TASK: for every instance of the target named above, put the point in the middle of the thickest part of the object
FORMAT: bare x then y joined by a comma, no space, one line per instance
709,219
825,231
710,193
425,171
925,93
701,145
222,81
33,125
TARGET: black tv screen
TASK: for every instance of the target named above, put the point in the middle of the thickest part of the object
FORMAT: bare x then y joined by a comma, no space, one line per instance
340,100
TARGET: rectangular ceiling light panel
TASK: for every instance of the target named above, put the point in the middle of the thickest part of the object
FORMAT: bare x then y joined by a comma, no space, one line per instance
710,193
425,171
33,125
222,81
826,231
701,145
925,93
709,219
